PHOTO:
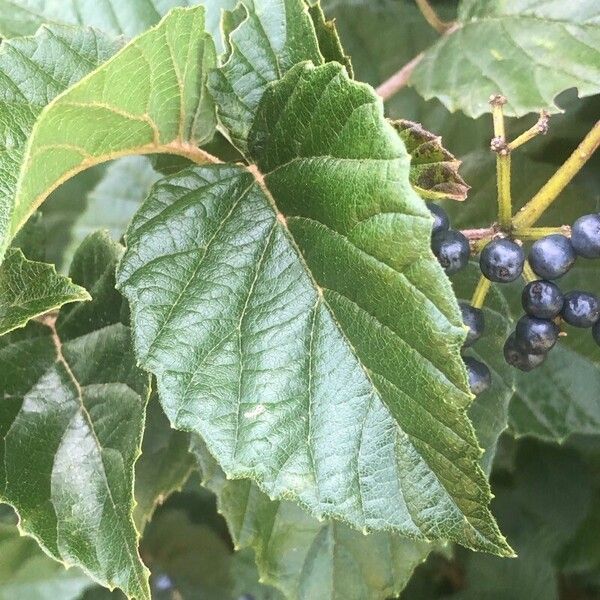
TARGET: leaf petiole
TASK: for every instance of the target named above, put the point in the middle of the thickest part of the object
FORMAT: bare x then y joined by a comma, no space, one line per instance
432,17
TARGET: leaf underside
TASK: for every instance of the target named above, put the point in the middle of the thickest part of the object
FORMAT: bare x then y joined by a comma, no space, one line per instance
302,556
33,71
551,46
433,170
166,109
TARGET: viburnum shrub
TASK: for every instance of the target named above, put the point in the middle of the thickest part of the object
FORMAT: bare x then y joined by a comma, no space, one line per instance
260,339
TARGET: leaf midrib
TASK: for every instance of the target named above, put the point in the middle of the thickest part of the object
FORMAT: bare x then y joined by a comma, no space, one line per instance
260,181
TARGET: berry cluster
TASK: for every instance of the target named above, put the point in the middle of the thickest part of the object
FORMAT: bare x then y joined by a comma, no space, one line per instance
545,305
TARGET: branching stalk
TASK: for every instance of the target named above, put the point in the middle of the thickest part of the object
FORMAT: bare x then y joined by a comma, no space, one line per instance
540,128
502,163
432,17
481,292
536,233
534,209
479,234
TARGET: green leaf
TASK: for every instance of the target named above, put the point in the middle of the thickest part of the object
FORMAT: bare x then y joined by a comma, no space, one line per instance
246,580
56,56
582,553
60,212
27,573
29,289
304,557
562,398
166,109
433,170
380,35
23,17
71,422
285,318
328,39
116,198
163,467
214,12
266,38
190,555
550,45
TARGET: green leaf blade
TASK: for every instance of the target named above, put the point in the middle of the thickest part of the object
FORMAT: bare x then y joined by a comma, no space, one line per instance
24,17
264,306
551,48
303,557
71,432
26,573
58,56
266,38
167,109
30,289
163,467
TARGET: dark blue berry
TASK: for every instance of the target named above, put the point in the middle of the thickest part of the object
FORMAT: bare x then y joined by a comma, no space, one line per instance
596,332
585,236
502,261
441,222
581,309
480,377
536,336
552,256
473,319
518,358
542,299
452,250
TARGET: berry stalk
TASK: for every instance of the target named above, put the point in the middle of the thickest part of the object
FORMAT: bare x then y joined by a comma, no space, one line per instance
481,292
528,274
536,207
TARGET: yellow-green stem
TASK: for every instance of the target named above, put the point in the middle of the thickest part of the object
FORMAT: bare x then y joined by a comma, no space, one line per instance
540,128
478,245
481,291
528,274
502,163
536,207
504,197
536,233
